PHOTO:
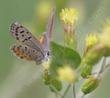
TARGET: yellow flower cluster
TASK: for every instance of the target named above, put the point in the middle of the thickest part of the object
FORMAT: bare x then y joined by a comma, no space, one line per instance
69,15
66,73
91,40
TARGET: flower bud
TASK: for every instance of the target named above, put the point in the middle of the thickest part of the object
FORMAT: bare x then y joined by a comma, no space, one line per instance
86,71
69,16
52,81
93,55
47,77
91,41
90,84
56,84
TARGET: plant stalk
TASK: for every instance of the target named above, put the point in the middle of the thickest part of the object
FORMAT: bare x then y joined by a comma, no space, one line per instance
65,92
74,91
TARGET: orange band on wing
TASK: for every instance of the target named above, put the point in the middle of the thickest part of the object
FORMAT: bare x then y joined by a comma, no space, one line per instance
20,53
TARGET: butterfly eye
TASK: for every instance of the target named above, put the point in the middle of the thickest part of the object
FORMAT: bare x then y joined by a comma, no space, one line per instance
48,53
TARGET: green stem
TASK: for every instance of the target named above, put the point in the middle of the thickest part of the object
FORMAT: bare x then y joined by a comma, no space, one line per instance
65,92
55,91
102,66
74,91
107,66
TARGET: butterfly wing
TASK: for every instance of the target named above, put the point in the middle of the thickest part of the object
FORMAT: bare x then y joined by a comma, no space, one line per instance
50,24
47,36
28,53
21,34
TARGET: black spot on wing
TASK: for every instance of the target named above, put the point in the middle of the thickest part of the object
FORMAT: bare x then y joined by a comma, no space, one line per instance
25,40
16,29
23,35
17,38
25,48
22,31
29,37
27,32
16,34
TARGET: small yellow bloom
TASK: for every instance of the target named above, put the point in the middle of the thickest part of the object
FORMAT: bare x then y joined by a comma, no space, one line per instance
91,40
46,65
67,74
105,35
69,16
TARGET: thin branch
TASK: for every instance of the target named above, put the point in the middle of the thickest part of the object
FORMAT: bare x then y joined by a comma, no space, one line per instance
102,65
55,91
67,89
107,66
74,91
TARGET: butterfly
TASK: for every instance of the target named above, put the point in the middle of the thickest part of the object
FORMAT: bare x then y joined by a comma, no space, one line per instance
29,47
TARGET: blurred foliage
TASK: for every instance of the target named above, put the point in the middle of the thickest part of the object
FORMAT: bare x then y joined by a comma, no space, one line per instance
20,79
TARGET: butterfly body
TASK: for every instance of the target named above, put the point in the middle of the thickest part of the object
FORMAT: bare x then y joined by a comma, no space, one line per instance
29,47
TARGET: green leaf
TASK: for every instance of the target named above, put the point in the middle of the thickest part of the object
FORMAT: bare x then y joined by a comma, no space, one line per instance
63,56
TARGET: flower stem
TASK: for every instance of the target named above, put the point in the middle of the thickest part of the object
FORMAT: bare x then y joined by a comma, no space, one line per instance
74,91
56,92
107,66
102,67
65,92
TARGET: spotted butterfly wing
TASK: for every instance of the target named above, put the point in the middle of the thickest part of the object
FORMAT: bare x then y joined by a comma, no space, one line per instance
21,34
30,47
28,53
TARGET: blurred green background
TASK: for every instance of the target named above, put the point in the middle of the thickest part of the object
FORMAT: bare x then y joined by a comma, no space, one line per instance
22,79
